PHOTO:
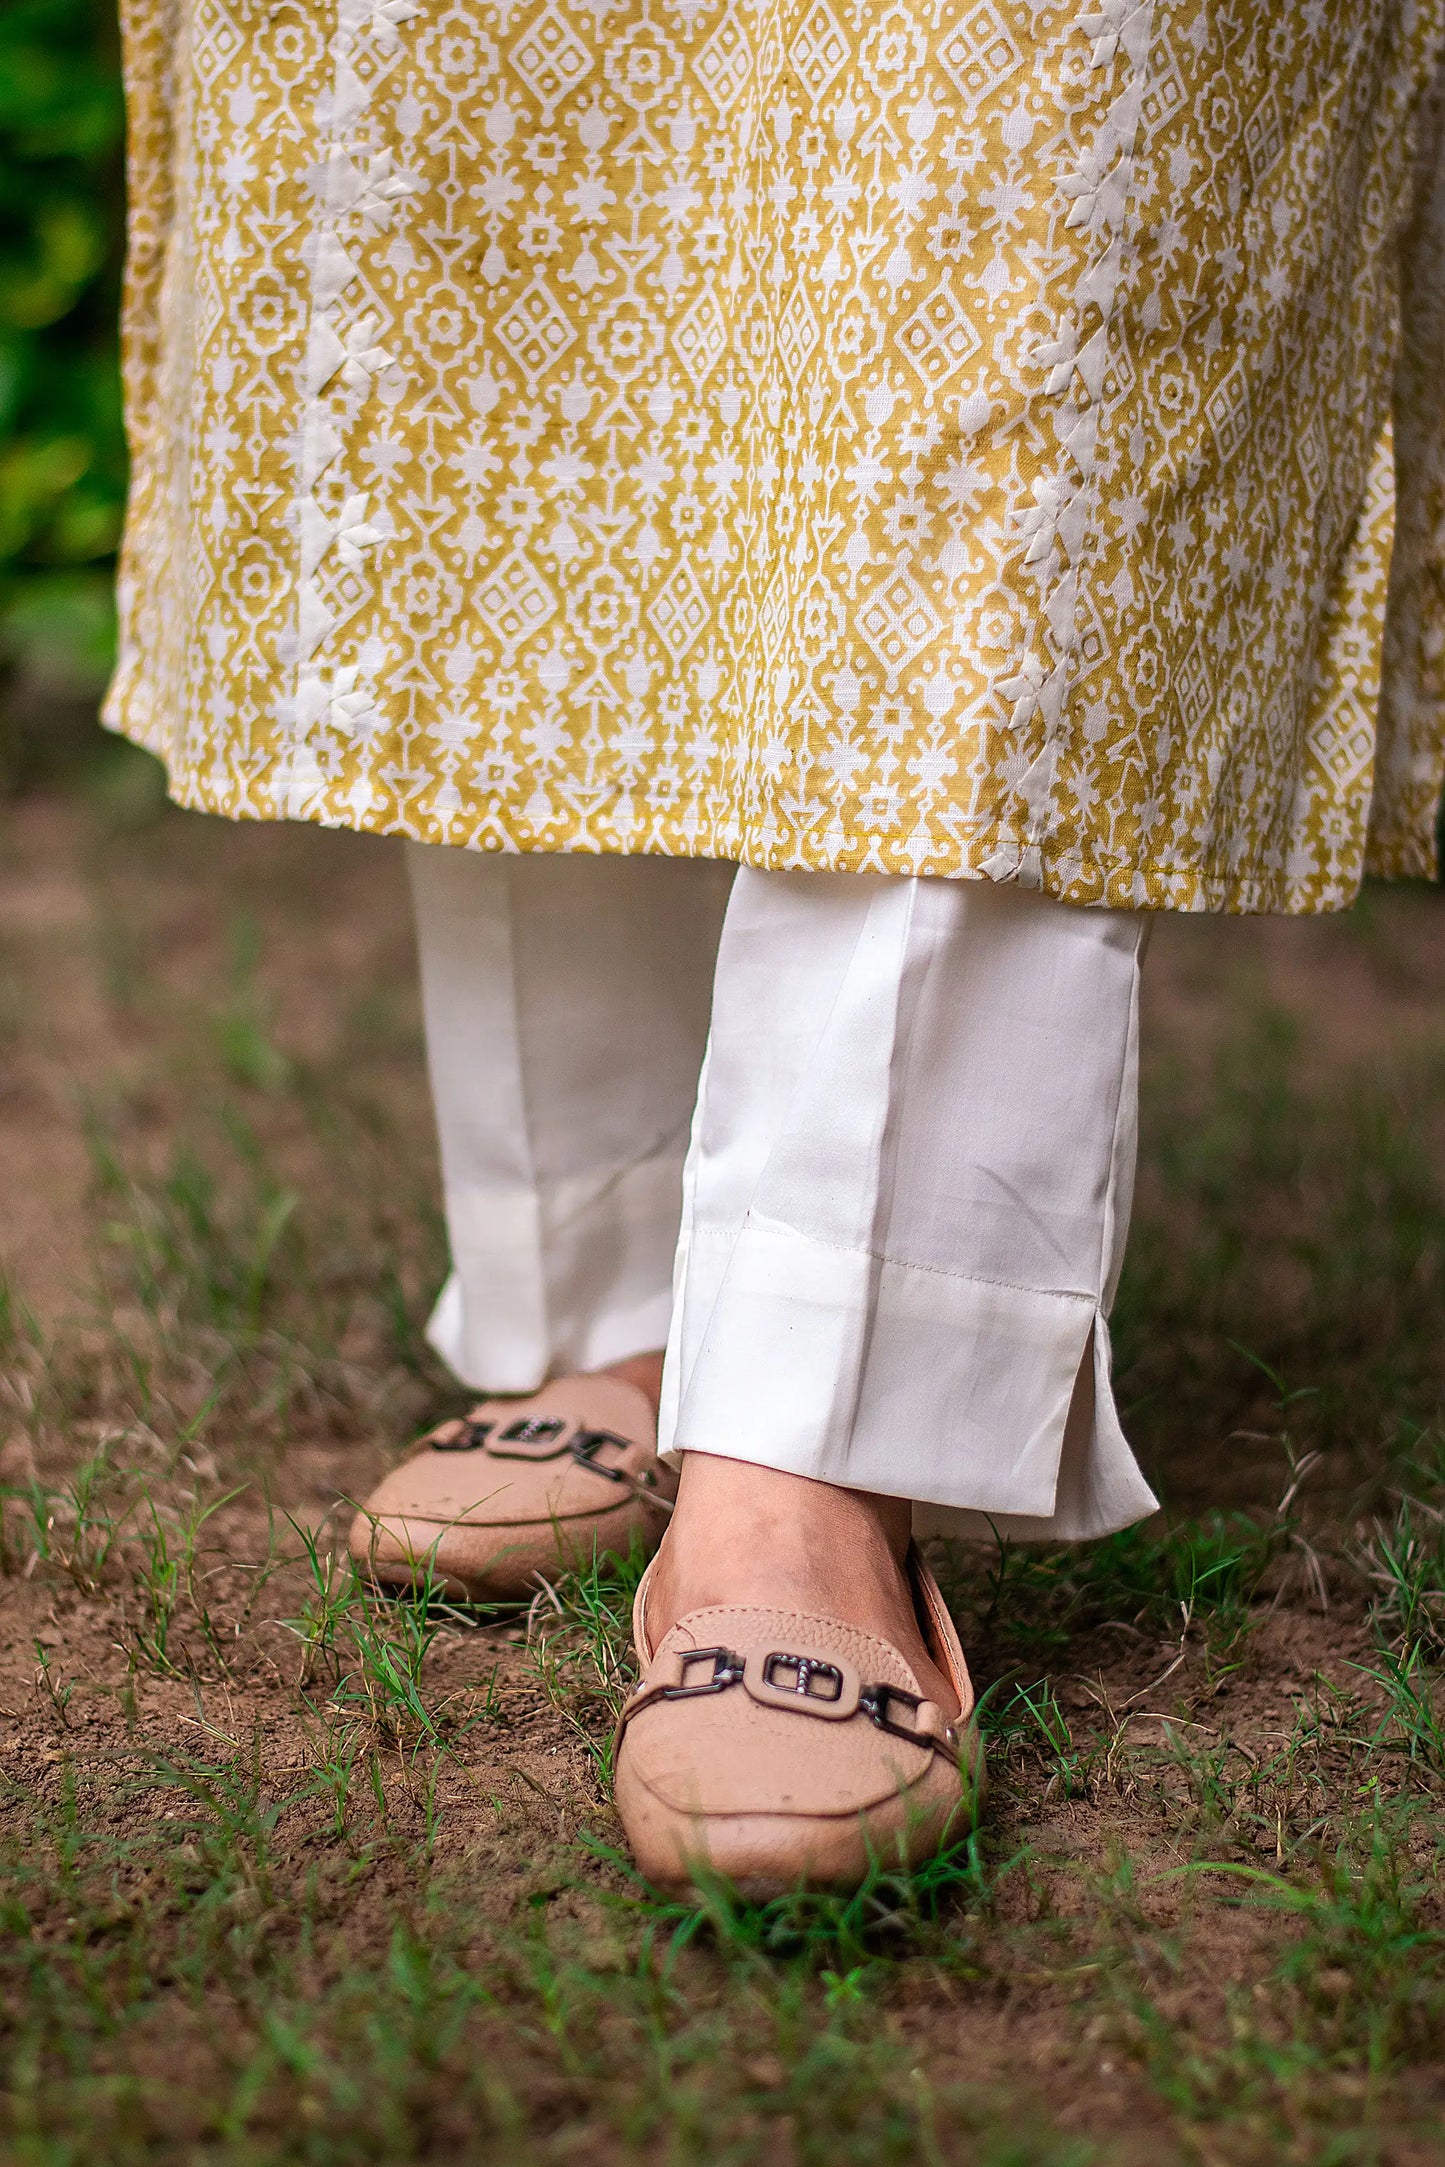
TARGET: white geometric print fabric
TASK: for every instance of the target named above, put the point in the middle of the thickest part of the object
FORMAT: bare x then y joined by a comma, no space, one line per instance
947,436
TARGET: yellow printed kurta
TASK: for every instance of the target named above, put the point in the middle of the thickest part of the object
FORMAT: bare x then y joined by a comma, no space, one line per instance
957,437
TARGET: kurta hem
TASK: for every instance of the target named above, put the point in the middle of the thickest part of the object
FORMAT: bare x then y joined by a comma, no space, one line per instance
1410,856
1007,857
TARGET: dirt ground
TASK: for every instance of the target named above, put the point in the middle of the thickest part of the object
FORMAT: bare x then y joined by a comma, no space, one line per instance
290,1874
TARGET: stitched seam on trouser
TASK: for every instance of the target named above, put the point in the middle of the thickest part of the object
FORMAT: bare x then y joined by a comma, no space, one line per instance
900,1264
1108,1228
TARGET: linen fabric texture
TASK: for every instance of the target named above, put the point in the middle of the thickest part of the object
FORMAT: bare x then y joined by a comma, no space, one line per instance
885,1257
909,436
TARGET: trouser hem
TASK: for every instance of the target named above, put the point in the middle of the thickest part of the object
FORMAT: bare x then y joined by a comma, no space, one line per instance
569,1277
952,1392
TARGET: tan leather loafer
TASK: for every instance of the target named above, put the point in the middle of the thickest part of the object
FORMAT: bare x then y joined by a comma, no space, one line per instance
788,1751
518,1489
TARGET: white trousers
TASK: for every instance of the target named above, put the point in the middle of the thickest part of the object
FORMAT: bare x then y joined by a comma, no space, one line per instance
858,1150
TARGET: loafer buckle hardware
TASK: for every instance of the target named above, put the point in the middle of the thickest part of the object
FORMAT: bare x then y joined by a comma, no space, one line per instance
875,1702
760,1675
804,1669
805,1682
531,1437
727,1669
464,1436
586,1445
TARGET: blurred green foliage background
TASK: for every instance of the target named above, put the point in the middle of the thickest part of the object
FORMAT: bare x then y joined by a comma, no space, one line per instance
62,453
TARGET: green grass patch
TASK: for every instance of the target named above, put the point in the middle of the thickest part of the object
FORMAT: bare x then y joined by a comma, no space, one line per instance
293,1872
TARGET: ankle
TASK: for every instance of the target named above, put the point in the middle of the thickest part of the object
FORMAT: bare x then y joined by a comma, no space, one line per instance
743,1534
772,1514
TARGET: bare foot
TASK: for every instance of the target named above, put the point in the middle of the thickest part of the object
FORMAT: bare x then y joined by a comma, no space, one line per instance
746,1534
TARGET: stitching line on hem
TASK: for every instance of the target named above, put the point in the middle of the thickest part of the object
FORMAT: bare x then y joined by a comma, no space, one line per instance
878,1256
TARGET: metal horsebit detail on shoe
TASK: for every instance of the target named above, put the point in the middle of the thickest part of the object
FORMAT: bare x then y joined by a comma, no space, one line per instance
529,1432
807,1683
